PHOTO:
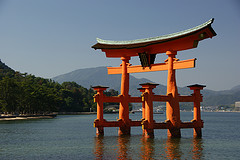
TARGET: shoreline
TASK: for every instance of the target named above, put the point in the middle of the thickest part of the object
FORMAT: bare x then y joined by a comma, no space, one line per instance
26,117
74,113
47,116
50,116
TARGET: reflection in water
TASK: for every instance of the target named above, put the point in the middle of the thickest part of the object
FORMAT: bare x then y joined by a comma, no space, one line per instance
127,147
106,148
173,148
99,147
124,144
197,148
147,148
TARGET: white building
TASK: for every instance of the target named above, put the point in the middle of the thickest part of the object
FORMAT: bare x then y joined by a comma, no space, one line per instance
237,106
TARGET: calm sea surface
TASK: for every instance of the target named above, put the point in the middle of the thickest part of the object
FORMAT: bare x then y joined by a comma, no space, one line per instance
73,137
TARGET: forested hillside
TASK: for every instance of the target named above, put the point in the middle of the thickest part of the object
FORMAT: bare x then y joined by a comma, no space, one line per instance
27,94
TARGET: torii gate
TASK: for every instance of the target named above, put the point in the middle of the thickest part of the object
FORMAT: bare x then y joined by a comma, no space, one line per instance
147,49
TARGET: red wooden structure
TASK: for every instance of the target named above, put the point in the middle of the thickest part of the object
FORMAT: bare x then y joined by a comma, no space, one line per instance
147,49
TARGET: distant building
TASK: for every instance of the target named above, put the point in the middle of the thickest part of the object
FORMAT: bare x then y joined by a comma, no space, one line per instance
237,106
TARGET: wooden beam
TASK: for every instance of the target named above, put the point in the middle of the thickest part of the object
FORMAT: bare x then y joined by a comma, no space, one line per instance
190,63
135,99
186,98
161,98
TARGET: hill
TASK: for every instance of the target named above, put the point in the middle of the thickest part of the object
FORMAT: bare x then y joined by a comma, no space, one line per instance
28,95
3,66
5,70
98,76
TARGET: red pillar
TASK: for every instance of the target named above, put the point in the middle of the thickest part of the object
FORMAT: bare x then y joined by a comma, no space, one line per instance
143,104
197,131
172,106
143,107
148,123
99,99
124,104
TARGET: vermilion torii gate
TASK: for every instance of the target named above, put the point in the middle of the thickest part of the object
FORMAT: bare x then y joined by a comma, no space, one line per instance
147,49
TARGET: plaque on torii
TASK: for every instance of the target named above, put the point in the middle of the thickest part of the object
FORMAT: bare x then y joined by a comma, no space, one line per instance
147,49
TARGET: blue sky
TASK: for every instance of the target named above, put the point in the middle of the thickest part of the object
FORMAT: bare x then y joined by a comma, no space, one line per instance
51,37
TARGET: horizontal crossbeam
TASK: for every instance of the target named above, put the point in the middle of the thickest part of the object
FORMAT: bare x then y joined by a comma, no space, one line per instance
156,125
115,123
158,98
190,63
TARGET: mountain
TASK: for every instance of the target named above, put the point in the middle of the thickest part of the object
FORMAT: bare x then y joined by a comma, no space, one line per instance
90,77
98,76
236,88
225,97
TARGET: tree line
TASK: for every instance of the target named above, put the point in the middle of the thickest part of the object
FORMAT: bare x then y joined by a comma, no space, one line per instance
27,94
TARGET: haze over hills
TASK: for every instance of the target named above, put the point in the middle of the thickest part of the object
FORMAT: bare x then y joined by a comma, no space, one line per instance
98,76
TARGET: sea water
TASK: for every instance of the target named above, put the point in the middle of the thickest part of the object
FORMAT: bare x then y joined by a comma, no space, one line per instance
74,137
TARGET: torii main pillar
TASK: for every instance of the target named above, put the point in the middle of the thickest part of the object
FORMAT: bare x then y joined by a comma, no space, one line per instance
124,105
172,106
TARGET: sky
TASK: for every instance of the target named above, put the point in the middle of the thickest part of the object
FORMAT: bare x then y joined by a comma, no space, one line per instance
48,38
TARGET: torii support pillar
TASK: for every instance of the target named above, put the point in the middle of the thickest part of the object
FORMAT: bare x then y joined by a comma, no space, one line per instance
143,107
124,104
197,131
143,104
99,99
172,106
148,123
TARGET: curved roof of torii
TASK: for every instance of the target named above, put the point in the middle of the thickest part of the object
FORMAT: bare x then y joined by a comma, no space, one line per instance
183,40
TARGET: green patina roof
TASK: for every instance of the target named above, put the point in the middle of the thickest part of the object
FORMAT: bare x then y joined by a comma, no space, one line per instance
103,43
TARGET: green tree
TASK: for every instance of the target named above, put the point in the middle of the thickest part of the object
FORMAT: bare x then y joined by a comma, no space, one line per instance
9,90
